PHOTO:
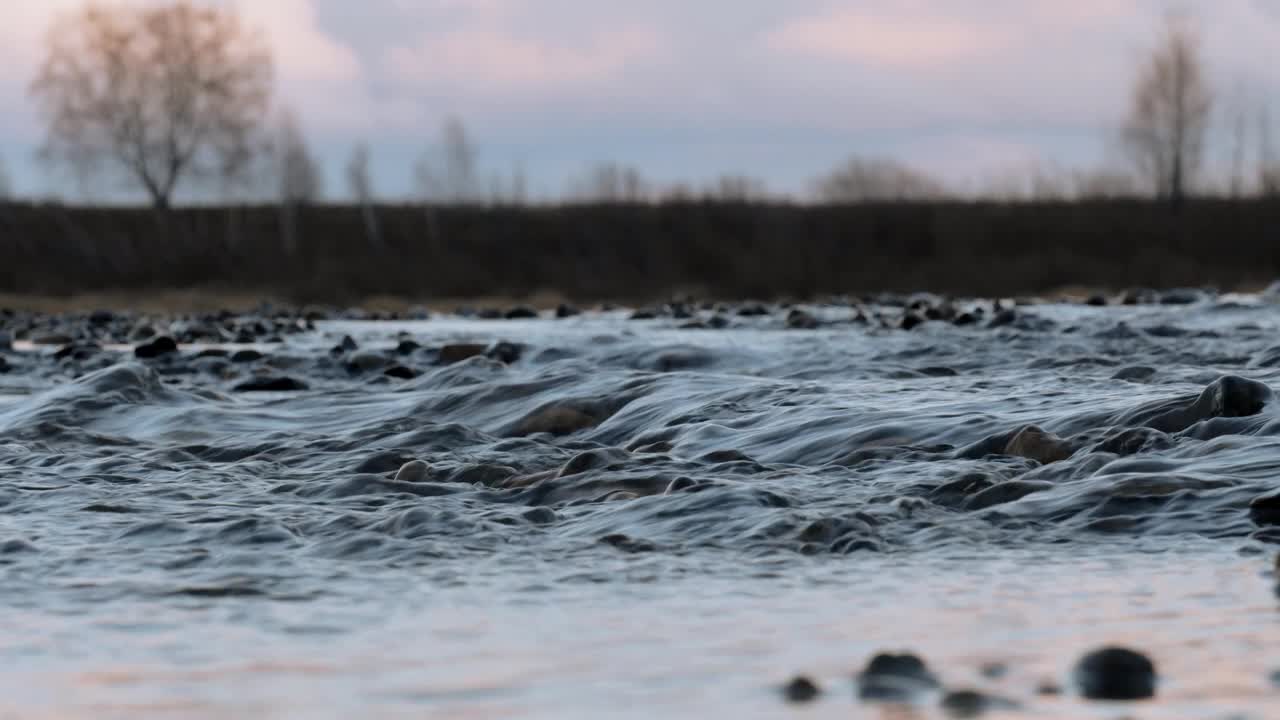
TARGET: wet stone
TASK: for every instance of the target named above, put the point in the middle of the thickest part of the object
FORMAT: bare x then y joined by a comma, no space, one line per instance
521,312
366,362
964,703
895,677
627,544
384,462
1115,673
1264,510
450,354
280,383
556,420
505,352
1136,373
799,319
400,372
540,515
1006,492
158,347
412,471
1035,444
801,689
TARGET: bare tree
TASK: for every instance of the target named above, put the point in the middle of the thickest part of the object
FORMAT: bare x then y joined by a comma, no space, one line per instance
360,184
460,176
611,183
154,93
447,171
737,188
519,185
876,180
1238,115
1103,185
6,186
1170,112
298,173
1268,163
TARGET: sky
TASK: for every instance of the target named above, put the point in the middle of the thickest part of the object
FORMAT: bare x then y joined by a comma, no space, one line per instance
968,90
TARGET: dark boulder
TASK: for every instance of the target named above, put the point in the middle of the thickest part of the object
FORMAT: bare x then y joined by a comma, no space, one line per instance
505,352
450,354
1264,510
163,345
280,383
521,312
801,690
1115,673
400,372
895,677
799,319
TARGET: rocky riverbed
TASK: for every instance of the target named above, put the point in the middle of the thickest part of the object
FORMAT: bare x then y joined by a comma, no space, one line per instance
754,509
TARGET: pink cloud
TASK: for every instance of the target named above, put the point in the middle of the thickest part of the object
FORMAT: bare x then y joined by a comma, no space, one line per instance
304,53
897,38
501,61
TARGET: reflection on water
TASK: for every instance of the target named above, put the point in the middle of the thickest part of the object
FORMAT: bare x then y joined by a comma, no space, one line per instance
625,519
668,641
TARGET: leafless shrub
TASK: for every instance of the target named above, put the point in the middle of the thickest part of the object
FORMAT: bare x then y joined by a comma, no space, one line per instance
298,173
876,180
611,183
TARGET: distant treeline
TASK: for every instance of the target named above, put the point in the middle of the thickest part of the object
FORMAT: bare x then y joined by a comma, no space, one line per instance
640,252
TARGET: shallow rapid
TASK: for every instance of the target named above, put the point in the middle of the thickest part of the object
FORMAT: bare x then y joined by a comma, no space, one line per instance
600,515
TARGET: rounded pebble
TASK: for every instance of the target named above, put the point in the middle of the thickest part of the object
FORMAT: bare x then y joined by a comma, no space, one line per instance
1115,673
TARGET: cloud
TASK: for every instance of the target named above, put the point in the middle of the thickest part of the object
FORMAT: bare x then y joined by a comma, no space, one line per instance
894,38
319,76
488,61
304,53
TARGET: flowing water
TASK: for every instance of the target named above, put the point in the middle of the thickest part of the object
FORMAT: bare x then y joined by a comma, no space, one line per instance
627,518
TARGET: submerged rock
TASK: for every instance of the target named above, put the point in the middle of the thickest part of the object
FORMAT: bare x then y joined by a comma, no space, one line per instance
521,312
246,356
801,690
1264,510
557,420
1035,444
1134,373
367,361
413,471
162,345
893,677
974,703
450,354
1228,396
1115,673
401,372
383,462
799,319
506,353
279,383
1134,441
1006,492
